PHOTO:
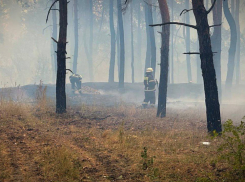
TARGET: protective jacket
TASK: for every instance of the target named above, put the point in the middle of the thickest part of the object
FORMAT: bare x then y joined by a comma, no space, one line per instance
150,89
76,82
149,82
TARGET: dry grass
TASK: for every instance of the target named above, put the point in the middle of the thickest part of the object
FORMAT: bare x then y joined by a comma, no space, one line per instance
95,143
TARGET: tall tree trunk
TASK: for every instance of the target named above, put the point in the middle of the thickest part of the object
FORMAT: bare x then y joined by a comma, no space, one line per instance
113,44
216,42
238,50
188,42
232,7
199,71
54,35
163,84
61,59
118,52
207,65
207,3
152,37
139,40
148,41
75,37
91,37
122,50
232,49
172,43
132,44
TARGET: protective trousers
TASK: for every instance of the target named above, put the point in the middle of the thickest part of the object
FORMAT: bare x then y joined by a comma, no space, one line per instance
149,97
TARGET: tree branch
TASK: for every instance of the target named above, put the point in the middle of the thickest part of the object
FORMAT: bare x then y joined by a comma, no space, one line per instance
191,53
174,23
54,40
46,28
211,7
185,11
69,70
50,9
196,52
215,25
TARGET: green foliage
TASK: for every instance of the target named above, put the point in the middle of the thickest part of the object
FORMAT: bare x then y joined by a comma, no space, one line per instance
148,164
232,148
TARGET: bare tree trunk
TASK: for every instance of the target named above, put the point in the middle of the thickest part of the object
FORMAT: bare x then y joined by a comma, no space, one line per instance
163,84
54,35
152,37
207,65
216,42
148,41
232,7
188,42
61,59
232,50
122,50
172,44
132,44
199,71
118,52
139,40
238,50
91,37
113,44
76,37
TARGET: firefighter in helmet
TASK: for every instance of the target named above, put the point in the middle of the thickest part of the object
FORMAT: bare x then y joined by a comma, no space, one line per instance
150,89
76,83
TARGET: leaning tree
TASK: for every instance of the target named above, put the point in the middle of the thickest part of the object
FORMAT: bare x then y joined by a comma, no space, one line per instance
207,65
61,56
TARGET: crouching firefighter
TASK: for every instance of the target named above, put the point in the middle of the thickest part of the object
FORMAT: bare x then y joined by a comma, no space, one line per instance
76,83
150,89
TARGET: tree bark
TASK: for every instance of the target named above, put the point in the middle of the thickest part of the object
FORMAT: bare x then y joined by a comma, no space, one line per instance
238,50
207,65
148,41
140,69
122,49
232,49
152,37
113,44
199,71
54,35
163,84
232,7
91,37
216,42
188,42
172,44
118,52
132,44
75,37
61,59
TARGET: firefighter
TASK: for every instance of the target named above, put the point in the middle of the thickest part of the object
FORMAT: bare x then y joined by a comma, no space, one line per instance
150,89
76,83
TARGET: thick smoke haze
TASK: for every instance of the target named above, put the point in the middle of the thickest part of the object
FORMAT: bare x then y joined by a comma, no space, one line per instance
26,47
